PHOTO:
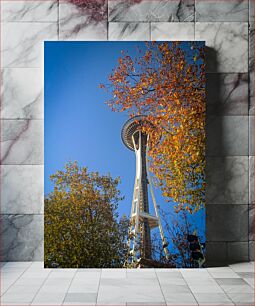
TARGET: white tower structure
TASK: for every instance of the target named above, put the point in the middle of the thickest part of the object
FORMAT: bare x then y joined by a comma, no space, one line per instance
141,220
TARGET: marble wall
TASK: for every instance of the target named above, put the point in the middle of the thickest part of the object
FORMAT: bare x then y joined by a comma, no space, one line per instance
226,26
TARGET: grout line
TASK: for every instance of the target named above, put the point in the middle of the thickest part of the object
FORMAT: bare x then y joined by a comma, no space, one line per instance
15,280
189,287
70,285
40,287
98,286
160,286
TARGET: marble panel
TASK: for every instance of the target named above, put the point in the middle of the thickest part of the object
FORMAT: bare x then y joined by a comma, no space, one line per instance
22,43
22,93
151,10
251,93
227,223
81,21
216,252
251,222
251,250
214,10
227,93
22,142
22,189
129,31
251,180
238,251
227,135
251,68
251,10
227,43
227,180
172,31
251,135
218,298
22,237
23,10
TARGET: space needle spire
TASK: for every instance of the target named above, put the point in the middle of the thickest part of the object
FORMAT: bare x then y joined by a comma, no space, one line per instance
141,220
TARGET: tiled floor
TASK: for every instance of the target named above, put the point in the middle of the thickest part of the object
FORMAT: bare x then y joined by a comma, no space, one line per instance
28,283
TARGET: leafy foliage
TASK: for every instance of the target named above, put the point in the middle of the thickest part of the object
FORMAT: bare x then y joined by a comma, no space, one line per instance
81,222
166,83
177,227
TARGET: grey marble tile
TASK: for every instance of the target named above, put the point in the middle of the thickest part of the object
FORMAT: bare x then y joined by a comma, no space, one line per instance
251,180
227,93
230,281
81,297
180,299
23,10
227,180
237,252
22,142
242,299
251,93
151,10
22,93
251,10
227,43
251,250
213,10
22,189
129,31
213,299
216,252
251,135
227,135
251,222
251,68
23,43
172,31
227,223
22,237
82,21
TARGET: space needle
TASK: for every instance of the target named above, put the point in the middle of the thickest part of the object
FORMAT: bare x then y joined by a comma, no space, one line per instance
141,220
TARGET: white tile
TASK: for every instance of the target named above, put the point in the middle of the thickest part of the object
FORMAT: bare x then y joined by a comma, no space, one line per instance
242,298
129,31
23,10
172,31
195,273
243,267
225,272
22,93
22,194
228,43
23,43
22,142
151,10
75,23
114,273
213,299
180,299
49,298
84,285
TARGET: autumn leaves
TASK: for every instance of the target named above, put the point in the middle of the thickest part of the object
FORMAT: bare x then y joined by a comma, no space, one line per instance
166,82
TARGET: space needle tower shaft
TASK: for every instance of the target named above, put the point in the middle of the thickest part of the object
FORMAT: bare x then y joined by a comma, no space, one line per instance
141,221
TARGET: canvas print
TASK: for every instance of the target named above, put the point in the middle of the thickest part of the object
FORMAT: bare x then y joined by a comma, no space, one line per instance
124,154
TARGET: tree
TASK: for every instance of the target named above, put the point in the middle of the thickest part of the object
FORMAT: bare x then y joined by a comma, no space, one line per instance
166,83
177,228
81,223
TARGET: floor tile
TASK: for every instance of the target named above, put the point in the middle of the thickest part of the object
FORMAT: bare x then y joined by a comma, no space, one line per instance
81,297
180,299
230,281
242,299
213,299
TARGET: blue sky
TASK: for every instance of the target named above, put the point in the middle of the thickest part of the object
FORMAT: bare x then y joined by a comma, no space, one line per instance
78,124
